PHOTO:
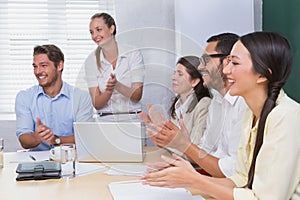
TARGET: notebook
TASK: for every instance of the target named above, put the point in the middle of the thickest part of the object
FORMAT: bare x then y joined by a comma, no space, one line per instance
108,141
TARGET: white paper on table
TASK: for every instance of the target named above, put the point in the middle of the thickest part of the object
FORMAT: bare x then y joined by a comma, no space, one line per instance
21,157
127,170
136,190
87,168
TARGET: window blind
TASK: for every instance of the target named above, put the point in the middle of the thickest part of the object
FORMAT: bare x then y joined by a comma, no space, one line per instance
27,23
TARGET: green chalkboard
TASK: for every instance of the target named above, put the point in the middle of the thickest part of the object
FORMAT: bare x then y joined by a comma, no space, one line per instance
283,16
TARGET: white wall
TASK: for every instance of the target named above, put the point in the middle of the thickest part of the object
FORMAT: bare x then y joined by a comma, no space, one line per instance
167,29
150,25
197,20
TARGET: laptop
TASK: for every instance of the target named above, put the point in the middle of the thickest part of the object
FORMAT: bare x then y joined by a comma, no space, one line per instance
108,141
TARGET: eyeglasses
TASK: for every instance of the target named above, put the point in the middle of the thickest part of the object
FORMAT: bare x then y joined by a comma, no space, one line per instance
205,58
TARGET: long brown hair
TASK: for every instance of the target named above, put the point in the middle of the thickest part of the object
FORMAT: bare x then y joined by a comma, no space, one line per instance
271,56
191,64
109,21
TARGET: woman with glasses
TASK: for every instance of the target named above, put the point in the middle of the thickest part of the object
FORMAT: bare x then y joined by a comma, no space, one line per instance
114,73
268,166
192,100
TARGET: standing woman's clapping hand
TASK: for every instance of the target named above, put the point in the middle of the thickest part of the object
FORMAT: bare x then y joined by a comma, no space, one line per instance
111,83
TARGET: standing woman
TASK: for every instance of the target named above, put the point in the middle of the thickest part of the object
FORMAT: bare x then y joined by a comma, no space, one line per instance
114,73
192,100
268,166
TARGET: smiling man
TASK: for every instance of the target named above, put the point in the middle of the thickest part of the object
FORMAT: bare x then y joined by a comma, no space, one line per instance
45,112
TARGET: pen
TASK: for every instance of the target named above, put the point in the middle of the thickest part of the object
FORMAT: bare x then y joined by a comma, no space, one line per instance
32,157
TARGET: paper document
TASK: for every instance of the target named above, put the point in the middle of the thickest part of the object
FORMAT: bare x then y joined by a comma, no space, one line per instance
136,190
127,170
87,168
30,156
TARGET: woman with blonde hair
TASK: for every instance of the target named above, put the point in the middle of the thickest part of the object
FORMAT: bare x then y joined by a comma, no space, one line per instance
114,73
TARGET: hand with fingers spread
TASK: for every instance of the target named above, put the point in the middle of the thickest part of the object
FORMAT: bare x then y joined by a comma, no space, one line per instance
172,176
168,134
111,83
156,113
156,166
165,133
44,133
153,119
145,118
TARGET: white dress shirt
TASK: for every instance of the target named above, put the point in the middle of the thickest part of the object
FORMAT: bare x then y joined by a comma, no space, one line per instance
129,69
223,130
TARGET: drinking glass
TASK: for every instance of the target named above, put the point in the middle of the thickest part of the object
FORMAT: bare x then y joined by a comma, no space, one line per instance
67,159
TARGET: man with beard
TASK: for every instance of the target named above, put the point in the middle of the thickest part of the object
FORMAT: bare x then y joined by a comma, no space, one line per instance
45,112
217,151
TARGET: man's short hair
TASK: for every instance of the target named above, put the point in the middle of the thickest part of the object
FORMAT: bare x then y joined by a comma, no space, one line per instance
53,52
225,42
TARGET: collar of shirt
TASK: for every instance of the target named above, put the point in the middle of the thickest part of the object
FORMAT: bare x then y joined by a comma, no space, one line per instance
280,96
65,91
122,50
219,97
231,99
182,107
216,96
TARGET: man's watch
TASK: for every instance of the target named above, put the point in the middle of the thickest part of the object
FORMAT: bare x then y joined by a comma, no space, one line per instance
57,140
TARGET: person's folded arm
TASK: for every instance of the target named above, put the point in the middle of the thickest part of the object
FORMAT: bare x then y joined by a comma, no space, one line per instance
66,139
29,140
99,99
206,161
137,73
134,92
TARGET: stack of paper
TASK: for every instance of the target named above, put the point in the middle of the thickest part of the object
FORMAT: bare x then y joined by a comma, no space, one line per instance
135,190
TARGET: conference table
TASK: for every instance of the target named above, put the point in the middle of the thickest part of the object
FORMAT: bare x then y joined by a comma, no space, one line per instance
90,186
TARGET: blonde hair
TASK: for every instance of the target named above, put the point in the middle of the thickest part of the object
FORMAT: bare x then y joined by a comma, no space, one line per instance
109,21
98,61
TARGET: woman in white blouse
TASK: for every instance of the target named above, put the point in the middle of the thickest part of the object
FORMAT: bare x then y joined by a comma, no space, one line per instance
268,166
114,73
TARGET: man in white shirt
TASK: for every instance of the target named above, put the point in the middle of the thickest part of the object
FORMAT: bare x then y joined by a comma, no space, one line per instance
217,151
222,135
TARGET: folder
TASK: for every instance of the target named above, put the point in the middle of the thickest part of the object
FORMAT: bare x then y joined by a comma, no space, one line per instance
38,171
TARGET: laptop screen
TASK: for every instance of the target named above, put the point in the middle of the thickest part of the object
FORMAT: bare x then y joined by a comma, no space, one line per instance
108,141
